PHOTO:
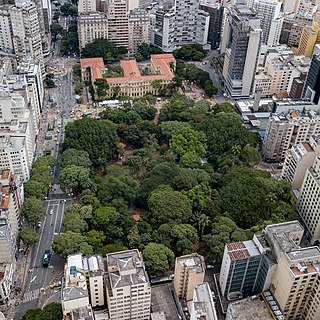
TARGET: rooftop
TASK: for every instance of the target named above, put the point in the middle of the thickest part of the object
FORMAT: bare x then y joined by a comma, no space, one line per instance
126,268
309,253
193,262
162,301
73,293
96,65
242,250
84,313
203,302
250,309
160,62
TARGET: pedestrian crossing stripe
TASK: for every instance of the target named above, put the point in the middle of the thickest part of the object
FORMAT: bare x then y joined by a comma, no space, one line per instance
31,295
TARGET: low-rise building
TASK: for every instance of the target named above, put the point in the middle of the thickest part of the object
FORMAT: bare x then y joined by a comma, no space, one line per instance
135,85
202,305
82,287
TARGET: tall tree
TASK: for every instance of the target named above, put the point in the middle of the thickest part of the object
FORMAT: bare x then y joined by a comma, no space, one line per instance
33,210
98,138
157,258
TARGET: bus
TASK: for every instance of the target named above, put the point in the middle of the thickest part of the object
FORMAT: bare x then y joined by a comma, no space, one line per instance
46,258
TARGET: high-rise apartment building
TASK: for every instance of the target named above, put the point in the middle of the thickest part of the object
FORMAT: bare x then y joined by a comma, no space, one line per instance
188,273
312,84
180,24
6,41
127,286
120,21
139,27
308,201
267,11
26,34
241,45
85,6
92,26
298,159
310,35
11,200
293,278
286,130
215,10
241,269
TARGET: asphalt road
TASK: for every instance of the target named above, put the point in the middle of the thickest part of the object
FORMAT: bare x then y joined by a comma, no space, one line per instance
37,276
40,277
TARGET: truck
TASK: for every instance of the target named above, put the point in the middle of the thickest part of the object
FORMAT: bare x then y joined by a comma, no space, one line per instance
46,258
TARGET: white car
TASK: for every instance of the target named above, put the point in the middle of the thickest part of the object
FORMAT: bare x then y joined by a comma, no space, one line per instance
51,212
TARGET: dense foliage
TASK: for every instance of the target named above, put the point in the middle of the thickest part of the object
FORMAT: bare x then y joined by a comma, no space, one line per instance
103,48
167,186
52,311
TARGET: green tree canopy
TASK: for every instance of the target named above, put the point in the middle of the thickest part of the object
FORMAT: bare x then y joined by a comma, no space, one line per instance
103,48
166,205
96,137
35,189
224,230
33,210
101,217
75,157
157,258
95,238
250,156
224,131
187,140
69,242
75,178
29,236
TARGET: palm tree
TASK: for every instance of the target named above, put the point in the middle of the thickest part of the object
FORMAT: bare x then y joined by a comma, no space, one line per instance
236,150
271,200
203,221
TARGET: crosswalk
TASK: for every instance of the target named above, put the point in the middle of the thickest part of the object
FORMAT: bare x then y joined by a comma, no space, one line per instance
31,295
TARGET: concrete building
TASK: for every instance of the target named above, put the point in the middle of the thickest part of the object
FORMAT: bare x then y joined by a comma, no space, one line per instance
241,270
308,201
26,33
118,21
135,85
202,305
286,130
83,286
250,307
241,45
139,29
180,23
85,6
267,11
215,10
47,15
298,160
127,286
188,273
312,84
309,37
6,41
91,26
292,28
293,280
11,200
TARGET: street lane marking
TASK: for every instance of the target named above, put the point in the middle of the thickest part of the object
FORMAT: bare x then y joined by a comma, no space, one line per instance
31,295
